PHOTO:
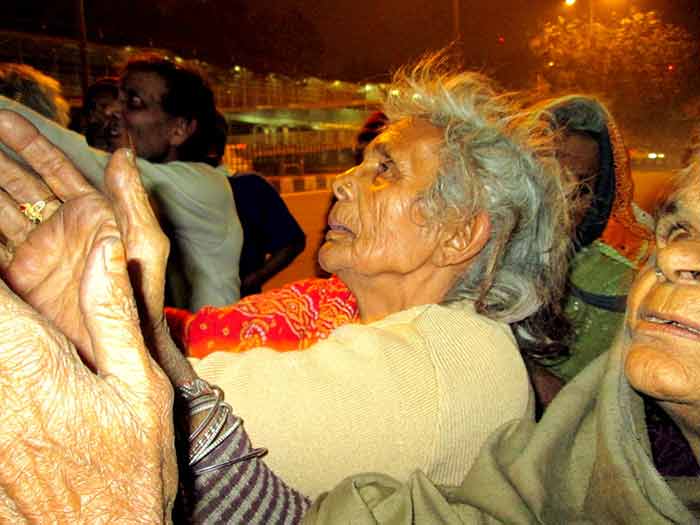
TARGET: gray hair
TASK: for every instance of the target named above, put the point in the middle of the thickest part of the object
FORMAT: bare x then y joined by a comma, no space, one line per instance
35,90
494,158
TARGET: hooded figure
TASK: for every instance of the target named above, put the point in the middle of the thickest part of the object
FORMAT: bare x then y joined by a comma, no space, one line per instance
613,237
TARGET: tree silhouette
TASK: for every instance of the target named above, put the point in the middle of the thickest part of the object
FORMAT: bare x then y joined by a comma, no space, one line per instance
637,63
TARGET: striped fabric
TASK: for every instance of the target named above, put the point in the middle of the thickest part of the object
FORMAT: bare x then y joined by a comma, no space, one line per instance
247,492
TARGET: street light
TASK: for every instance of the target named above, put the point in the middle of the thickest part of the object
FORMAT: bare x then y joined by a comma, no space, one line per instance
569,3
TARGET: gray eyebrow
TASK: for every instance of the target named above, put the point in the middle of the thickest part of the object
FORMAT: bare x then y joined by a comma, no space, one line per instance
669,207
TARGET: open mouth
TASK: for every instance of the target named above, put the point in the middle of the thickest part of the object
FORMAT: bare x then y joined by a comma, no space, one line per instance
671,323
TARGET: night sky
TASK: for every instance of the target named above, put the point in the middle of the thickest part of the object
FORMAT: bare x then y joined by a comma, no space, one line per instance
345,39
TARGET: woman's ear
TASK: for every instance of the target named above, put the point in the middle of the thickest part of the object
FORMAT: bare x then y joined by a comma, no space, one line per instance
180,130
462,241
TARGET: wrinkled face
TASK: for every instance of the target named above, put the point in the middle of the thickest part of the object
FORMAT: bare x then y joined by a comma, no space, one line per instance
142,116
377,225
579,153
664,307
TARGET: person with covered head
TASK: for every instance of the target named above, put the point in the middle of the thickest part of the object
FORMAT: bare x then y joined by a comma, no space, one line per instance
452,229
612,238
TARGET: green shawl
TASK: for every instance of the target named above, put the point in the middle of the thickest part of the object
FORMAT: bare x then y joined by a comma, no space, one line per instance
587,461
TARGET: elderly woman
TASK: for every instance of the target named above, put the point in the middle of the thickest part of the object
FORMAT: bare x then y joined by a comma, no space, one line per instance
619,444
452,228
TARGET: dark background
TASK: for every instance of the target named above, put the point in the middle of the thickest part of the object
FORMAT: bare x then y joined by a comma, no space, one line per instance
343,39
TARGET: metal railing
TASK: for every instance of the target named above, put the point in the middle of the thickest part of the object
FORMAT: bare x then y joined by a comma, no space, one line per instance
286,151
235,89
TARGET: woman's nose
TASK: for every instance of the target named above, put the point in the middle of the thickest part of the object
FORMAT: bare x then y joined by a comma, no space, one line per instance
344,185
680,262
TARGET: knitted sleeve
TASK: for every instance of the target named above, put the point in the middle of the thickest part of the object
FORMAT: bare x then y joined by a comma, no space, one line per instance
244,492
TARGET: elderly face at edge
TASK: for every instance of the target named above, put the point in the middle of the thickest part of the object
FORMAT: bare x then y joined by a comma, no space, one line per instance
663,358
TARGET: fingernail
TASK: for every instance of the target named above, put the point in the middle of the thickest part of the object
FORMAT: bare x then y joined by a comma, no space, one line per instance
129,155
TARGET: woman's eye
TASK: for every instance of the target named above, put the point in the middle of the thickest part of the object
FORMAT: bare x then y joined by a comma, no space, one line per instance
384,166
677,232
135,102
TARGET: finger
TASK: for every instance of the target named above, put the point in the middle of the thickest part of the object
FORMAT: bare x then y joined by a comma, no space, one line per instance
59,174
20,183
146,245
14,225
110,314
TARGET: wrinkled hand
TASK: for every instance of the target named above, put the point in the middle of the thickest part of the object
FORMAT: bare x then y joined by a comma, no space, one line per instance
42,263
79,447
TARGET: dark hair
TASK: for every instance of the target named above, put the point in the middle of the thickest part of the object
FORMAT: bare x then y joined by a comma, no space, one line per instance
109,85
187,96
217,147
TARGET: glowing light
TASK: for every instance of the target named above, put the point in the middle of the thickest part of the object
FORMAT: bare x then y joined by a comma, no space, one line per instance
652,155
394,92
550,63
569,2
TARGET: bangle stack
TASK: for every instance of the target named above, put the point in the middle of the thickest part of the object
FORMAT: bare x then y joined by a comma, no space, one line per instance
217,426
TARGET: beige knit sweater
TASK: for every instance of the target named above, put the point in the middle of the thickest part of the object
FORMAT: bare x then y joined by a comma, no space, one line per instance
420,389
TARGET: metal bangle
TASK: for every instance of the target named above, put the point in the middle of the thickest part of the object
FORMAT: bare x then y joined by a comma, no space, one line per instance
210,416
255,453
209,435
222,436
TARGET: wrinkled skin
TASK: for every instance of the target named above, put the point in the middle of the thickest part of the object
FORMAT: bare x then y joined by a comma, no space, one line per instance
380,241
377,213
663,359
78,446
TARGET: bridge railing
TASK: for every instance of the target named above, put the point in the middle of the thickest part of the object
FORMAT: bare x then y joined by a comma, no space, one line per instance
285,151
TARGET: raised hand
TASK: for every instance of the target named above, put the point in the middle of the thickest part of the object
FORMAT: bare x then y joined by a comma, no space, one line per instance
78,446
43,261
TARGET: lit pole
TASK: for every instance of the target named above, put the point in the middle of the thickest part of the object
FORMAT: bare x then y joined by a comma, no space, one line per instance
84,64
457,31
456,12
569,3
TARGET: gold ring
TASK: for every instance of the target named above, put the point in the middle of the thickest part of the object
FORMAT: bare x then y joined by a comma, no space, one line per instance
33,211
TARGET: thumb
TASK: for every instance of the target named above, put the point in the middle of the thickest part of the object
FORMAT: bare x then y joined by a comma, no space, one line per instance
112,321
146,244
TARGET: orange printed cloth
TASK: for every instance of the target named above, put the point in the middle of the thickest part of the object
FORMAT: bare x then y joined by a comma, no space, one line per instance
289,318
